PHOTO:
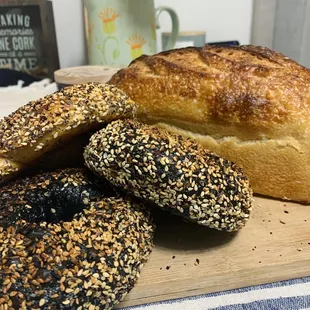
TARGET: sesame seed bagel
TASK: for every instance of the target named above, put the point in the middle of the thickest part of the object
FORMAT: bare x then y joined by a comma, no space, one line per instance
50,122
173,172
88,262
51,196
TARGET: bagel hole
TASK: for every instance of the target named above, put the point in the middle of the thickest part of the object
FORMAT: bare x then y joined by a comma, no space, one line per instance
54,202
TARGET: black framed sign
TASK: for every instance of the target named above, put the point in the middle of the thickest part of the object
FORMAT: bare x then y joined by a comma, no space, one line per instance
27,37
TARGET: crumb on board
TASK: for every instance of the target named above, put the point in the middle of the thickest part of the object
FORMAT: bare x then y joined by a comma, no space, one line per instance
285,211
173,257
197,261
168,267
282,222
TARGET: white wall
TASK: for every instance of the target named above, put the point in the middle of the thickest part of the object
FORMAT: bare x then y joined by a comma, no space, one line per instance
223,20
70,35
283,26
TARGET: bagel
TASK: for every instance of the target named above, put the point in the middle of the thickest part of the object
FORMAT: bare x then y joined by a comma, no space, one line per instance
173,172
90,261
42,197
44,125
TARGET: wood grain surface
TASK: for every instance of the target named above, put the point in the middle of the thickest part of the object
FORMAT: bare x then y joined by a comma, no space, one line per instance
189,259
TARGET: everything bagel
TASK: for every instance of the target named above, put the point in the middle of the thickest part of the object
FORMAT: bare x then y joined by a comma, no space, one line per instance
50,197
49,123
90,261
173,172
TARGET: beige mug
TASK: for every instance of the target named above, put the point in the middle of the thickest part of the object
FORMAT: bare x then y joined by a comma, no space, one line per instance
118,31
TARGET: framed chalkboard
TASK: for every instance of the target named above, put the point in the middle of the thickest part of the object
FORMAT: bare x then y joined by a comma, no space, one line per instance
27,37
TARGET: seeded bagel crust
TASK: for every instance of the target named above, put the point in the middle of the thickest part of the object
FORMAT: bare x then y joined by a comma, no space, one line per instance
51,122
51,261
175,173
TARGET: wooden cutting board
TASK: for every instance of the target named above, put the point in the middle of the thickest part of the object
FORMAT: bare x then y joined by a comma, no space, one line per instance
189,259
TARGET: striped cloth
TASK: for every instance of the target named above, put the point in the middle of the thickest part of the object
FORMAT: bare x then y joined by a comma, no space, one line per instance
291,294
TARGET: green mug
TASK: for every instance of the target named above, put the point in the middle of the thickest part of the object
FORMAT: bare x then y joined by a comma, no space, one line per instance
118,31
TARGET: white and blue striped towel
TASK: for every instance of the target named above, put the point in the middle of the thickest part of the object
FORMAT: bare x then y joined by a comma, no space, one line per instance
288,295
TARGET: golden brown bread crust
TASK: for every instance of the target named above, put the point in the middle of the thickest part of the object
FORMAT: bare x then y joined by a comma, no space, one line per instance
50,122
249,104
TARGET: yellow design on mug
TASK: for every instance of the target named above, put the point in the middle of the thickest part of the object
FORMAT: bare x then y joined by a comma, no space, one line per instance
108,17
136,43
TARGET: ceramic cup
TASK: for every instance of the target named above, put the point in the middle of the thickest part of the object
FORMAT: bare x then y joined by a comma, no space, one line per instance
118,31
185,38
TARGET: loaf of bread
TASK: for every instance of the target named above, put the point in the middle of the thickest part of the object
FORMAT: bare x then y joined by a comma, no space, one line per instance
248,104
